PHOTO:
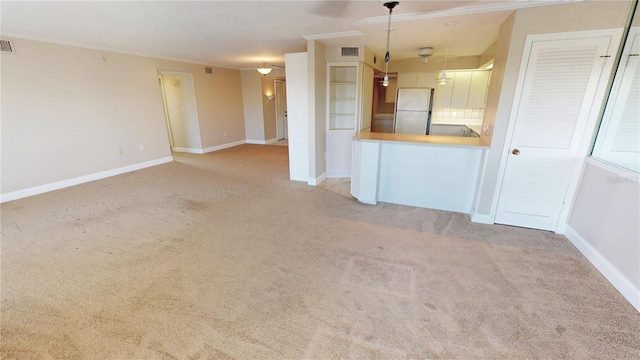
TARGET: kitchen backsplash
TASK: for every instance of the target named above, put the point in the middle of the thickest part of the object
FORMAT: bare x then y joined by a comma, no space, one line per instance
457,115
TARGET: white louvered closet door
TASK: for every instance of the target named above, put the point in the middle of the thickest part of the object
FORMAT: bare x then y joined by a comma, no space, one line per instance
556,96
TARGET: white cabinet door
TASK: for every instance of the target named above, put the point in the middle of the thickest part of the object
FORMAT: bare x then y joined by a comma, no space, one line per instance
560,82
460,91
478,89
444,92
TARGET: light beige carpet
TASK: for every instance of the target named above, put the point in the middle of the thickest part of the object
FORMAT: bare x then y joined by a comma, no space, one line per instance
220,256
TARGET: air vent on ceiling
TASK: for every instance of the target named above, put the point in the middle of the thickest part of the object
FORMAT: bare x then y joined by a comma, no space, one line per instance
350,51
6,46
208,70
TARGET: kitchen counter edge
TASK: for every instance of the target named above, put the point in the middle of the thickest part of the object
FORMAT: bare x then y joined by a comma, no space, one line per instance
457,141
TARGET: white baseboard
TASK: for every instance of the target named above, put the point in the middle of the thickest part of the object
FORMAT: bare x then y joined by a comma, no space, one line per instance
318,180
187,150
481,218
262,142
223,146
339,175
36,190
619,281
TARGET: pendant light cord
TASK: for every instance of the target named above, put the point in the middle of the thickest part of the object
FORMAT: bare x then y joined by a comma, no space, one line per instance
386,56
389,5
446,56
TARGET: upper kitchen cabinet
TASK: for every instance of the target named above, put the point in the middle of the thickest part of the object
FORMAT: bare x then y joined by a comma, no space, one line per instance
478,88
466,89
425,79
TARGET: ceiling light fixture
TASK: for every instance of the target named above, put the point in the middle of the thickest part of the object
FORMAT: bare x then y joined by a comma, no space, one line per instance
389,5
264,70
442,80
424,53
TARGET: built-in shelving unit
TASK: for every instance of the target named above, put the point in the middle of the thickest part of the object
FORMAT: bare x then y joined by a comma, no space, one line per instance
342,97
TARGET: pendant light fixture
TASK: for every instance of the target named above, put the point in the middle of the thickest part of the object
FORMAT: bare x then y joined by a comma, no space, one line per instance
443,80
264,70
389,5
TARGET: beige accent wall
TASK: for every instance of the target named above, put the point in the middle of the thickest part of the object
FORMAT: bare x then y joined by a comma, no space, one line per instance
317,88
500,53
220,108
252,101
538,20
67,110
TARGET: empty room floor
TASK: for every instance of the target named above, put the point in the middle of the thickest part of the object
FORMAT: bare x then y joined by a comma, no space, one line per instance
222,256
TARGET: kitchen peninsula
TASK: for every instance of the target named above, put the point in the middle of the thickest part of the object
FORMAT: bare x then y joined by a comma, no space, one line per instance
436,172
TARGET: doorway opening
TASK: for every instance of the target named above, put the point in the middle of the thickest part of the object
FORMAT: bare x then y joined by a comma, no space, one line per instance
179,99
282,132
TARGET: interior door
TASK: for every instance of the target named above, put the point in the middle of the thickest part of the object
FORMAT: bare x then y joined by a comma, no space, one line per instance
281,110
557,93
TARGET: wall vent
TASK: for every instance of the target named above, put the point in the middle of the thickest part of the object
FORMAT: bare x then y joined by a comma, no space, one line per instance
350,51
208,70
6,47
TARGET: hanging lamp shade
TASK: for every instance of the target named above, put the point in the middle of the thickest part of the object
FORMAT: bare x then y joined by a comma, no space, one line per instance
264,70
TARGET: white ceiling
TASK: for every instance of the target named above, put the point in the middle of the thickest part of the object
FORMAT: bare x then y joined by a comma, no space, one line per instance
242,34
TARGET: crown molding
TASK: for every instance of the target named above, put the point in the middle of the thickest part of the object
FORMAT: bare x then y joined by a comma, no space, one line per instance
333,35
101,48
469,10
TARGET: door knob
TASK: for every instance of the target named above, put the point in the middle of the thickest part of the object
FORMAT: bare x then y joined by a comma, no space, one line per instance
515,152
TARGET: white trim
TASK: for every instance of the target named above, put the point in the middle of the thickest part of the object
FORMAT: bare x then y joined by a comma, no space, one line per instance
481,218
262,142
223,146
187,150
36,190
468,10
619,171
334,35
318,180
338,175
618,280
101,48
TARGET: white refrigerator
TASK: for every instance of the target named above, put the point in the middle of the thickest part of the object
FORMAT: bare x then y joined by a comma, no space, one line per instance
413,111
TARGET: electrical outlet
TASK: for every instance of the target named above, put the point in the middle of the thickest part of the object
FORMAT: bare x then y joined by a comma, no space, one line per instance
120,151
225,133
141,147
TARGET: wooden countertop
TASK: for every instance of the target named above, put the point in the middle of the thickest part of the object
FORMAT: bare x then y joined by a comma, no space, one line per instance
422,139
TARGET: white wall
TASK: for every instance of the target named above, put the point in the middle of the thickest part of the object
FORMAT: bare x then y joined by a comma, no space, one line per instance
604,225
298,115
67,110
